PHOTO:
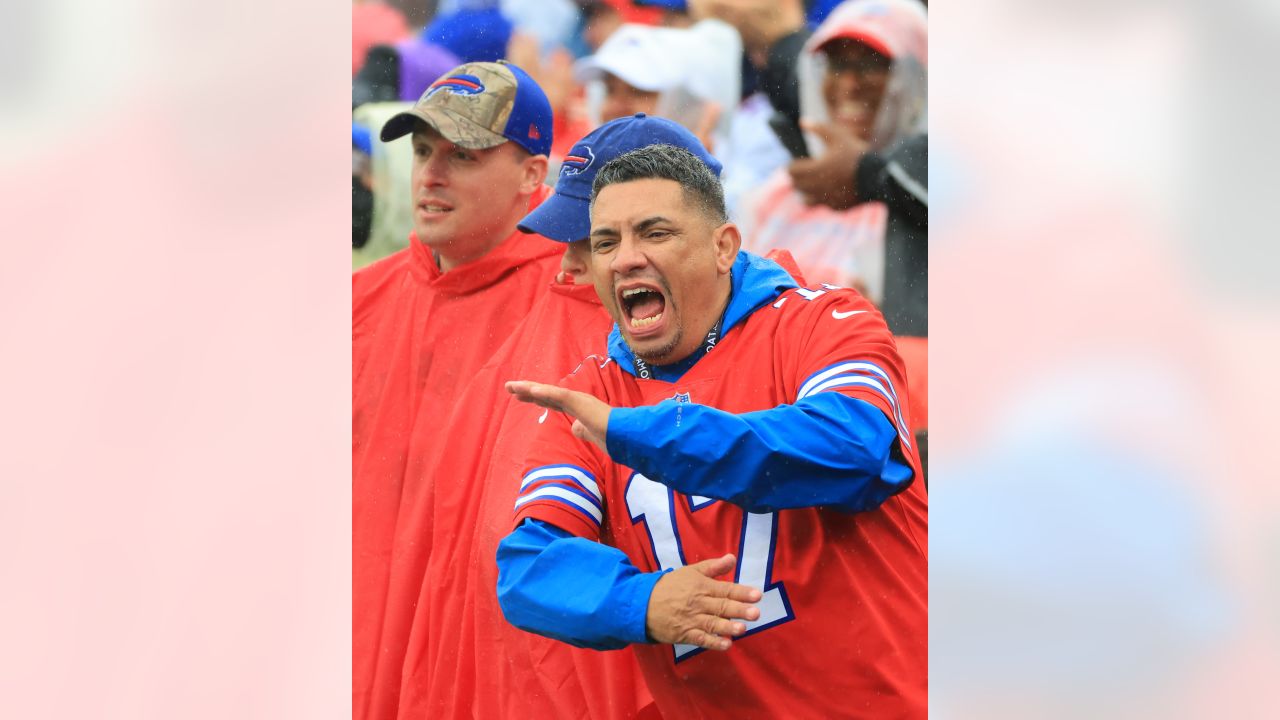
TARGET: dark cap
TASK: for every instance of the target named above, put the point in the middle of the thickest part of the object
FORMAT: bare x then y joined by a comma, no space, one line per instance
565,216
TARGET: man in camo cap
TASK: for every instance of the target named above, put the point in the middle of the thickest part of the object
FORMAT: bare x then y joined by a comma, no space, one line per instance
426,318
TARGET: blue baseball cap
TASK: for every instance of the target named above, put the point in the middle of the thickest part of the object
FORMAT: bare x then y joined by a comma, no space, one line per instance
481,105
566,215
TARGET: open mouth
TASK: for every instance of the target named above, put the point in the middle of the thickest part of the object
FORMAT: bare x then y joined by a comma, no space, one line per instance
642,306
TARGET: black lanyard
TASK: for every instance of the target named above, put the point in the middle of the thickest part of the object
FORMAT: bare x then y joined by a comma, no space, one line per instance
645,372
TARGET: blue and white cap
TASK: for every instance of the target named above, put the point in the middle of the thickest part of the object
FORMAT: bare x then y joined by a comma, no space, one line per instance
565,216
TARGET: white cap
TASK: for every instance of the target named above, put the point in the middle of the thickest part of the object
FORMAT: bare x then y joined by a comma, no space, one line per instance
704,60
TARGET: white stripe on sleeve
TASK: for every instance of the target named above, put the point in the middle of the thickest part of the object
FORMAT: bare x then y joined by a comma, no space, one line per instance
562,471
558,492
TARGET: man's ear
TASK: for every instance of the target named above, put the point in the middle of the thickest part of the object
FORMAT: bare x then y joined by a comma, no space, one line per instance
727,242
535,172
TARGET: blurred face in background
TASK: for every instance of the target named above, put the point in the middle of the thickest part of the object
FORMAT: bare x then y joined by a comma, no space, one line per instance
623,100
854,84
602,20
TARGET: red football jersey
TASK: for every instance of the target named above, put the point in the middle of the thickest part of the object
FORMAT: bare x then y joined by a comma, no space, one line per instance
843,630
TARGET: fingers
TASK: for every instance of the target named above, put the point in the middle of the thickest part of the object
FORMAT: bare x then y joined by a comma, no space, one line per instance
726,599
714,633
522,389
689,606
582,432
735,609
716,566
822,130
541,394
829,133
706,640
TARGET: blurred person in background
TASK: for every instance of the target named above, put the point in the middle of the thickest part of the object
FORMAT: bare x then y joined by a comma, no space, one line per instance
773,33
688,75
862,75
373,23
401,71
361,185
675,13
692,75
424,318
473,30
601,18
551,22
390,172
848,174
856,212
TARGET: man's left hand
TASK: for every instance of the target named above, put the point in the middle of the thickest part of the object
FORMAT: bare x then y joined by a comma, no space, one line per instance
590,414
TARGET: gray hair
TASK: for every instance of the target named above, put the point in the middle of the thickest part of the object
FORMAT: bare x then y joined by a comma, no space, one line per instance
666,162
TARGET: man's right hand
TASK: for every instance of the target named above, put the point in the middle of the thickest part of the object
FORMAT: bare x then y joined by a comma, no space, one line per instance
690,607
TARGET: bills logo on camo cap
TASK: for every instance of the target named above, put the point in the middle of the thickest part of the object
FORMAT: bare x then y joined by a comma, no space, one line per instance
577,161
458,85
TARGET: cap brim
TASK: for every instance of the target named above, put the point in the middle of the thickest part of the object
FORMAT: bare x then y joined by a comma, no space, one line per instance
587,69
635,74
859,36
455,128
561,218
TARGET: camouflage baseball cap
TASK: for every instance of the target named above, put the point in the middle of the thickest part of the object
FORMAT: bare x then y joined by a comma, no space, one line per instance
481,105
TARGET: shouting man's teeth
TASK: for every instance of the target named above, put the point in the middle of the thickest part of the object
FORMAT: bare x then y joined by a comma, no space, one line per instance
642,306
642,322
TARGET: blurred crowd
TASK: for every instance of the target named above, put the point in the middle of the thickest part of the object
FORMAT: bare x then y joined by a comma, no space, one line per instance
817,110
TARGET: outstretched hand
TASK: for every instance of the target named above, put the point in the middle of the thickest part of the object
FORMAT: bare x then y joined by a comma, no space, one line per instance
590,414
689,606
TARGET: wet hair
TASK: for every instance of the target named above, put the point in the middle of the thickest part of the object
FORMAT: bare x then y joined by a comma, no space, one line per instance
667,162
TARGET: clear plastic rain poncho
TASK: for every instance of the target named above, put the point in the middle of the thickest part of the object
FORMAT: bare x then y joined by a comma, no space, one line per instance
896,29
846,247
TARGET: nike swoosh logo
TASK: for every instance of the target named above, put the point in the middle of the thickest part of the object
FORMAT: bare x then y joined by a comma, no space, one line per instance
543,418
842,315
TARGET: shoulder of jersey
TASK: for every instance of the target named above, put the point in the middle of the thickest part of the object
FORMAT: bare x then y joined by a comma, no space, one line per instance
838,303
594,364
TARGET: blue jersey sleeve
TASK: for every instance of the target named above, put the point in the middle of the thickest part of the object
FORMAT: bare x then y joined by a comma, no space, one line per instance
567,588
826,450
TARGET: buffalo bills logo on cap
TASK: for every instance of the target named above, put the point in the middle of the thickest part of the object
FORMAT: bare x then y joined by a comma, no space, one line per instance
457,84
577,161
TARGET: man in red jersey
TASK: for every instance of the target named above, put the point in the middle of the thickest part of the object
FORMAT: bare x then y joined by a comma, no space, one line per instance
425,319
463,659
737,424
